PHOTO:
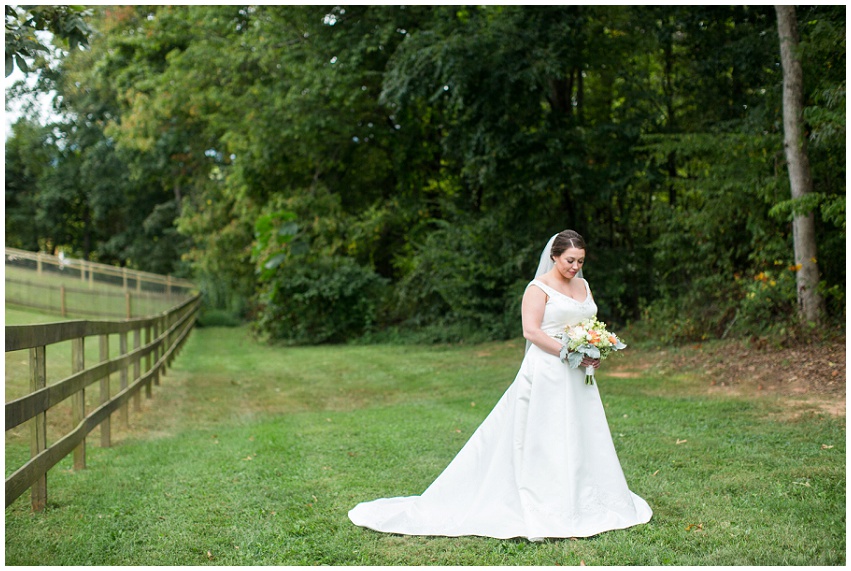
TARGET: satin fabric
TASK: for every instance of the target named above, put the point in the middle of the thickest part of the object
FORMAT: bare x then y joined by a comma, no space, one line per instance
542,464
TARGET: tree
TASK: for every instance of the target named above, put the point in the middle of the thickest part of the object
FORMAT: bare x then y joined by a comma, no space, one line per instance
436,147
64,22
810,302
28,156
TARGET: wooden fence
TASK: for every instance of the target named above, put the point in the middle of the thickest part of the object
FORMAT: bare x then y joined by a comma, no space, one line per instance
90,272
164,335
83,289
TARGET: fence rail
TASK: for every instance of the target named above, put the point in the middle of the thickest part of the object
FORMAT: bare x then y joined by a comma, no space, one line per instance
164,336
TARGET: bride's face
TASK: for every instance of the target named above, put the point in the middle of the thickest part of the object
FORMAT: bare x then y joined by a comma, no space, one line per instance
570,262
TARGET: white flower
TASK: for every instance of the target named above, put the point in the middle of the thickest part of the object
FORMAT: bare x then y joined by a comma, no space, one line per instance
577,332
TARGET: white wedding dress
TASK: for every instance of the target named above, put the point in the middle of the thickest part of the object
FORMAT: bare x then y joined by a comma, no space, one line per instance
542,464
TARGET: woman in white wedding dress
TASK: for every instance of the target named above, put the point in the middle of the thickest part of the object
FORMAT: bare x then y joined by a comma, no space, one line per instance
542,464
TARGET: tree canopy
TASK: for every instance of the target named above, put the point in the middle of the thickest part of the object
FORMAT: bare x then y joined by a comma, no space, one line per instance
336,172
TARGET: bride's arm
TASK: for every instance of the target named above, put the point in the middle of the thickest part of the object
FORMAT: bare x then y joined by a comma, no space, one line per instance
532,311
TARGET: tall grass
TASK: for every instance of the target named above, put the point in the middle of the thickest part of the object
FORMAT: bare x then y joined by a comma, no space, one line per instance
252,454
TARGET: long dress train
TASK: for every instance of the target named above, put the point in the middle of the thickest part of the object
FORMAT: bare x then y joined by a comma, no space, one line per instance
542,464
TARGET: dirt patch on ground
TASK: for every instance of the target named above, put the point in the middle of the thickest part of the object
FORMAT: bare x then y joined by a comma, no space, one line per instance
812,375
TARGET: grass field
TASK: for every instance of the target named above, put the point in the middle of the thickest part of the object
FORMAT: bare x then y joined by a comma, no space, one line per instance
83,300
252,455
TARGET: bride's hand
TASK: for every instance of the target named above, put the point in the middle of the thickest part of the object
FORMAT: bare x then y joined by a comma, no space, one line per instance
589,362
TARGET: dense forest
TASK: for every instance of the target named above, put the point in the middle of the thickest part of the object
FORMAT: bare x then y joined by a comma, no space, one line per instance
385,172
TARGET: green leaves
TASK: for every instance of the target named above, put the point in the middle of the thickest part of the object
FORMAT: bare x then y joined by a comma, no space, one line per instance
273,242
322,300
66,23
437,147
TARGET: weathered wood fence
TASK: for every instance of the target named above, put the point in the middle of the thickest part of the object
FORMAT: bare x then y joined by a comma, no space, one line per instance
137,367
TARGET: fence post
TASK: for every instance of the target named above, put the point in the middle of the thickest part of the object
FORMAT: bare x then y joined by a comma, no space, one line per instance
127,305
137,399
169,321
62,300
148,361
157,350
124,277
105,427
38,262
38,428
122,348
78,399
166,341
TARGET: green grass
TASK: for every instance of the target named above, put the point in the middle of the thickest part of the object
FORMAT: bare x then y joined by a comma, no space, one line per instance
252,455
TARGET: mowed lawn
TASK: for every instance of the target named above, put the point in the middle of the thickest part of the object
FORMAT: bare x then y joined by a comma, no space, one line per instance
250,454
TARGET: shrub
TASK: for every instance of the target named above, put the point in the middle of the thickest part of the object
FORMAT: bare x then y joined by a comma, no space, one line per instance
218,318
464,278
330,299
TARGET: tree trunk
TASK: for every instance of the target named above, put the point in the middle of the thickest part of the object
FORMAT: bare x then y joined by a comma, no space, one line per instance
810,303
580,95
560,91
672,175
670,122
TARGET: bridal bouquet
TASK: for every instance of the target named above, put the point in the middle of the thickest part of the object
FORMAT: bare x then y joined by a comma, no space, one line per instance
591,338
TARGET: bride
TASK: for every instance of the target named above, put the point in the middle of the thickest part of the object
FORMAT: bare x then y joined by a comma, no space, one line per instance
542,464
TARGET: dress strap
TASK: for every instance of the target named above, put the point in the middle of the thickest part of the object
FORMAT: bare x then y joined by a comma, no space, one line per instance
547,289
541,285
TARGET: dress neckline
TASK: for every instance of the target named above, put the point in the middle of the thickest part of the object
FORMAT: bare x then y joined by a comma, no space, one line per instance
564,295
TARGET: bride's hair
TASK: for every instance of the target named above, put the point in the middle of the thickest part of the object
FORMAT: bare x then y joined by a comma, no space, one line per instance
564,240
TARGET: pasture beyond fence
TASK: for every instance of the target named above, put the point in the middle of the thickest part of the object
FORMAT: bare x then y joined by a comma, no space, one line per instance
164,335
83,289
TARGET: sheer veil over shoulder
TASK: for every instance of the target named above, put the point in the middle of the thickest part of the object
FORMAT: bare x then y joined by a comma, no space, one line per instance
542,463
